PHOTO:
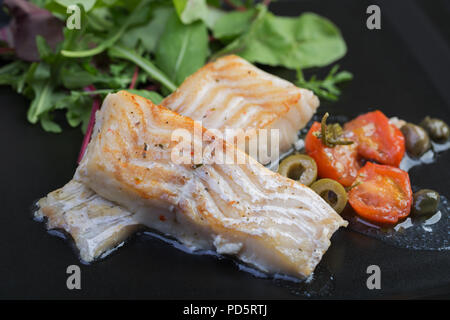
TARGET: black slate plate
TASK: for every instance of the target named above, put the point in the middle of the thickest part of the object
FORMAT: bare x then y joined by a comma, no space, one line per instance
401,69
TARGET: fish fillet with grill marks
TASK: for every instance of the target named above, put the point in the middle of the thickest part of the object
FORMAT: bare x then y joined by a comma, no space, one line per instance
232,93
244,210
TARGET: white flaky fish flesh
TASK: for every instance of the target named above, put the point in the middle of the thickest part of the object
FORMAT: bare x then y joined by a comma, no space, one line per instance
95,224
245,210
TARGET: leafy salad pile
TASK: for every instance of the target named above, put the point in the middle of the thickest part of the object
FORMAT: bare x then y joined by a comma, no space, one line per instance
149,47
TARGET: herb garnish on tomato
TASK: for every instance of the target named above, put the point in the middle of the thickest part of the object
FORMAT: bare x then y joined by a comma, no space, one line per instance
339,163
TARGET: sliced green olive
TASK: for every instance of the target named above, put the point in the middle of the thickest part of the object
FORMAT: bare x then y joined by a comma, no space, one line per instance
299,167
436,128
332,192
417,141
425,203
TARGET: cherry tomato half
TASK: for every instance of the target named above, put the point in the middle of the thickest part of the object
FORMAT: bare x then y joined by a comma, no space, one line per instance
381,193
339,163
377,139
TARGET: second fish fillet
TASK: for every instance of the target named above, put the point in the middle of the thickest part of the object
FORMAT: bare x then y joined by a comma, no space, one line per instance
231,93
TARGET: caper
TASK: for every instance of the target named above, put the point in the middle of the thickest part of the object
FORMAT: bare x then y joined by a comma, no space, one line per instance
299,167
425,202
437,129
332,192
417,141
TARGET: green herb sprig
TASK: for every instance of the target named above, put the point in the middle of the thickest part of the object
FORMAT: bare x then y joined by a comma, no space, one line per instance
326,88
331,134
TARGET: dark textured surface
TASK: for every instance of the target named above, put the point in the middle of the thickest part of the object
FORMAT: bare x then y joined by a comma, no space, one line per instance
391,73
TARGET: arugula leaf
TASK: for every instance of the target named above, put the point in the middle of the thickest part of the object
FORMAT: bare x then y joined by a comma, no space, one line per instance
113,38
241,42
77,78
40,83
121,75
44,50
41,72
182,49
100,19
146,65
42,101
22,80
233,24
303,42
326,88
78,109
148,34
12,73
191,10
48,124
214,14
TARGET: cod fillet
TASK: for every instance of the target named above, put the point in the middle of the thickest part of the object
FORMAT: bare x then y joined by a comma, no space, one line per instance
245,210
231,93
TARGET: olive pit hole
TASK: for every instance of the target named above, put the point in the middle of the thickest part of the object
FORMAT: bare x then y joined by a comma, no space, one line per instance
295,171
330,197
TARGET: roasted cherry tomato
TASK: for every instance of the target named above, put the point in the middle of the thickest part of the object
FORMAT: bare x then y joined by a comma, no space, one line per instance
377,139
381,193
339,163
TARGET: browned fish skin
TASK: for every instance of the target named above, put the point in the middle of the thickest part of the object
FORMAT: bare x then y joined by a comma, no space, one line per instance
232,93
266,220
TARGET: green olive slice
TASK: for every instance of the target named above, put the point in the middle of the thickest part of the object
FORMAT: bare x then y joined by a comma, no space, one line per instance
332,192
299,167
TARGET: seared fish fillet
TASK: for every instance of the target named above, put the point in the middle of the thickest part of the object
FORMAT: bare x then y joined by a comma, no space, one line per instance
232,93
244,210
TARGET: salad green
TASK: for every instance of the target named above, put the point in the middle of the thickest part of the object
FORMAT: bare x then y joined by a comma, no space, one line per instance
149,47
